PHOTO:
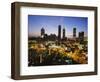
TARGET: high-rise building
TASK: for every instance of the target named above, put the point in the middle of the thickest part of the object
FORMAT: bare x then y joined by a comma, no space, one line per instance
42,32
59,32
81,36
63,33
74,32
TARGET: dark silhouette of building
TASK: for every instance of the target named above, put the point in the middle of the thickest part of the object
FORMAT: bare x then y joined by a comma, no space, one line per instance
63,33
52,37
59,32
74,32
42,32
81,37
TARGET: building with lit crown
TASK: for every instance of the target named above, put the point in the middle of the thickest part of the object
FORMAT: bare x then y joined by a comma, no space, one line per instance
42,31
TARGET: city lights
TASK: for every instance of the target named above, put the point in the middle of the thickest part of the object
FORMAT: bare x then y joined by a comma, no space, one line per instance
57,48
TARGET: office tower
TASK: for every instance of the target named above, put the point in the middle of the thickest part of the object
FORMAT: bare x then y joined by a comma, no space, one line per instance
74,32
42,32
59,32
81,36
63,33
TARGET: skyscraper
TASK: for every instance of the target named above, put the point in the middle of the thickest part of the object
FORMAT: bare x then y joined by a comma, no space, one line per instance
42,31
63,33
81,36
74,32
59,32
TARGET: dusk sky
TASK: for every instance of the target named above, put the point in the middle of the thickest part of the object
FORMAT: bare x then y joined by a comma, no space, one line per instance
50,24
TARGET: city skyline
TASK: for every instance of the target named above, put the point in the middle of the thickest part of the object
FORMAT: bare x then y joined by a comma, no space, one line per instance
51,23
